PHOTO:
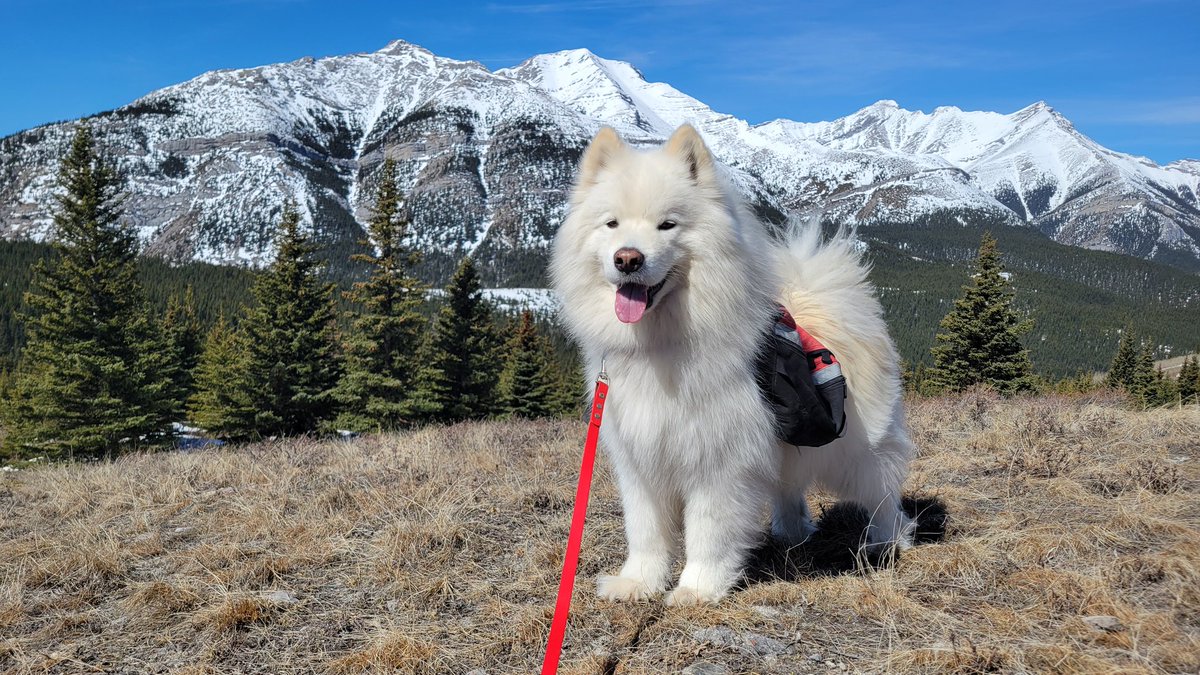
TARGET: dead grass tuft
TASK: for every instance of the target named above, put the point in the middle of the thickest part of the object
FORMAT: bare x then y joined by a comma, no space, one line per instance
439,551
1154,475
233,613
394,651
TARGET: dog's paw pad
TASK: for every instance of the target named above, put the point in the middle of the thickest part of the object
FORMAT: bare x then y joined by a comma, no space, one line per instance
623,589
687,597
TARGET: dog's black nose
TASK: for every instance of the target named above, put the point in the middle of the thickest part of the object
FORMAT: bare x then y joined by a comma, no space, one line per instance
628,260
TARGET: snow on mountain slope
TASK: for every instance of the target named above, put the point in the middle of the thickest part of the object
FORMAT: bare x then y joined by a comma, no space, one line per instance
612,91
486,160
768,160
1038,165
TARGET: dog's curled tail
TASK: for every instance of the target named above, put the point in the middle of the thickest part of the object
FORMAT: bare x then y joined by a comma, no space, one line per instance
822,267
825,287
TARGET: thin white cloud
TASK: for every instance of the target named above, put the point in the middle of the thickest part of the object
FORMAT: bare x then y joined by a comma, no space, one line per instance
1171,111
589,6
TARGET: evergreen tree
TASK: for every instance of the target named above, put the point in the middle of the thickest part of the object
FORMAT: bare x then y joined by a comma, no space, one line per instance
1085,381
181,333
1166,390
220,404
1189,380
458,380
1142,383
386,329
568,396
92,378
528,383
1125,361
292,362
980,340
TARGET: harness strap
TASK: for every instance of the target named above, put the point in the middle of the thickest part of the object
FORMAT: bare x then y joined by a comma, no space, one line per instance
566,585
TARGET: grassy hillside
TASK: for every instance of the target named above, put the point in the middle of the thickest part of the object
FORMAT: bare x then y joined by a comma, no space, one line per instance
1073,545
1078,298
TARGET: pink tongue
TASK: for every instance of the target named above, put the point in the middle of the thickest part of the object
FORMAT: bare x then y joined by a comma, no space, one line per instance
631,302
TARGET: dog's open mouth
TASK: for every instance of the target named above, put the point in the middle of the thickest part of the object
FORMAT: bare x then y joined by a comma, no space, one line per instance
634,299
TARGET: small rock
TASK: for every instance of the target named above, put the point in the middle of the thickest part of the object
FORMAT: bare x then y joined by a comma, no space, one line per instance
763,645
768,612
1103,622
706,668
720,636
281,597
815,656
186,529
477,671
393,606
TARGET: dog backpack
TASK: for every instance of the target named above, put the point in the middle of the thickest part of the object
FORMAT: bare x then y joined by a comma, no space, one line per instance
803,383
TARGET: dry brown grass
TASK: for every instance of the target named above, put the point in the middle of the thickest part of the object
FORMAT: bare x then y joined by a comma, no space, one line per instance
439,551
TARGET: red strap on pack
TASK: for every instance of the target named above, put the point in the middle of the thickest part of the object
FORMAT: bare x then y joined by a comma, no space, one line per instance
562,607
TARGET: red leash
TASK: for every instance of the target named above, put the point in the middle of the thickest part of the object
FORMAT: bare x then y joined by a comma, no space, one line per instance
562,607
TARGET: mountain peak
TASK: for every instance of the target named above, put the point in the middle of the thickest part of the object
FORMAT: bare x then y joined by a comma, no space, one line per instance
214,158
610,90
401,47
573,59
1042,112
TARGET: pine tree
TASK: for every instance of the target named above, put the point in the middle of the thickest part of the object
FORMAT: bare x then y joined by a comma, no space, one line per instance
91,380
980,338
528,383
220,404
1142,383
376,391
568,396
1124,363
181,333
292,362
1165,391
462,364
1189,380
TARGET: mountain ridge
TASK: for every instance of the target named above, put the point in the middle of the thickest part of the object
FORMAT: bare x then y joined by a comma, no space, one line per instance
487,157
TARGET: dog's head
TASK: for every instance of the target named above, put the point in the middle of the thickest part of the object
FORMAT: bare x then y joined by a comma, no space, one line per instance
638,216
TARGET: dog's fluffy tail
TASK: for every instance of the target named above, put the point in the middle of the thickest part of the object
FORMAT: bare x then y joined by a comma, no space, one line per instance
825,288
821,267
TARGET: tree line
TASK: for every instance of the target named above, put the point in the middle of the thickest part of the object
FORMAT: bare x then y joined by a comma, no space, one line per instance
979,342
102,372
1079,298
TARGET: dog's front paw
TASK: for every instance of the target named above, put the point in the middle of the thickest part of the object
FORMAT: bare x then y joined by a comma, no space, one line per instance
684,596
623,589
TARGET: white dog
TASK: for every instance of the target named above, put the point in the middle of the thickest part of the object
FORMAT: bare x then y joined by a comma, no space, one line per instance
667,278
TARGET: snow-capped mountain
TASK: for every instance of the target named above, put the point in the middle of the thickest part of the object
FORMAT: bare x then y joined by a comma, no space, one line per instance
486,159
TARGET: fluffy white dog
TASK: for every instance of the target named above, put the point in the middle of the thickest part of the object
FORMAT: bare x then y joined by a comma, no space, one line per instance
669,279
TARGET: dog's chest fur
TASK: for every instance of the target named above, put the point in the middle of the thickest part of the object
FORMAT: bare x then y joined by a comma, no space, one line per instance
680,419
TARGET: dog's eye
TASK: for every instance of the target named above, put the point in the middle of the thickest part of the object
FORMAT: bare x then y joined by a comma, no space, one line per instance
666,224
611,224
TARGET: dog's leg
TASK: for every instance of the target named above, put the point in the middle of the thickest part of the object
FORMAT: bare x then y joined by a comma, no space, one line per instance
721,523
651,529
875,486
791,522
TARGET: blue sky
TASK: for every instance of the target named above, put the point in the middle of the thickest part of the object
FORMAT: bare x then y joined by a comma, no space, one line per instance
1126,72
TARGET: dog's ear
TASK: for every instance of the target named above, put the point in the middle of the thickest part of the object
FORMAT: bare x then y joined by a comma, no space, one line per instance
599,153
687,145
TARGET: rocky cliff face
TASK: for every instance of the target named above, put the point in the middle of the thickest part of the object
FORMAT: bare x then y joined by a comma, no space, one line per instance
486,160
